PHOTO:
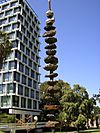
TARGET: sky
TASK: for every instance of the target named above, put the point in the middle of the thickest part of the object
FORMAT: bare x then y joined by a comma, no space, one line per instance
78,47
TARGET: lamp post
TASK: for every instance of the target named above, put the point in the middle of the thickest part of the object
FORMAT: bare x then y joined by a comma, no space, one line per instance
65,124
35,119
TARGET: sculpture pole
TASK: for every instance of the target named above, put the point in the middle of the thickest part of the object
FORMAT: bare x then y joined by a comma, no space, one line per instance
51,105
49,4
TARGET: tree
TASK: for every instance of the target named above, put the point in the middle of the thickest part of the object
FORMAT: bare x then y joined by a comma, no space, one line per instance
5,47
80,122
86,109
76,103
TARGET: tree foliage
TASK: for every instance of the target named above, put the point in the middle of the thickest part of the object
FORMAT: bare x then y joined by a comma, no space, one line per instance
76,103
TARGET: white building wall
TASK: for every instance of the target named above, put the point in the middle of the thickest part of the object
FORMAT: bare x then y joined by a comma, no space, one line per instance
21,69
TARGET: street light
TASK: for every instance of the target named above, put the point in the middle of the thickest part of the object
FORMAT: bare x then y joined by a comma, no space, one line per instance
65,124
36,119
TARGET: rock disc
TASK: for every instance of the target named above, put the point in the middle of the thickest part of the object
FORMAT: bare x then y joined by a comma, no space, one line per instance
52,75
49,14
51,59
50,21
49,33
49,27
51,46
51,52
50,40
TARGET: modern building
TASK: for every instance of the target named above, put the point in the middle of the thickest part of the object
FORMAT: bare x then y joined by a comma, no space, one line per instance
20,77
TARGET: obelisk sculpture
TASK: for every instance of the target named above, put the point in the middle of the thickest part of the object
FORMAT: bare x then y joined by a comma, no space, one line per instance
50,60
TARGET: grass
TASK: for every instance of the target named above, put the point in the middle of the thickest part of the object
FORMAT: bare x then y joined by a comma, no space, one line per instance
82,131
90,131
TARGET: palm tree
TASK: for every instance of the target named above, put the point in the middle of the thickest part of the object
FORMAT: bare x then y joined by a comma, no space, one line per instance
5,47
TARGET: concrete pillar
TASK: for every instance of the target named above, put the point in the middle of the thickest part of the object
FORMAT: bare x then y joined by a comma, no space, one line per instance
23,117
12,131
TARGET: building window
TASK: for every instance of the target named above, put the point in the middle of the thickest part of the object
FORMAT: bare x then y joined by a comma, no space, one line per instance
35,49
37,95
34,104
26,93
22,47
15,25
24,13
5,66
7,28
0,77
5,7
32,93
31,29
4,21
11,88
35,34
35,66
11,55
18,54
20,18
37,59
28,34
30,63
16,76
27,9
31,14
14,3
22,29
32,73
21,67
12,35
35,20
18,9
33,24
32,55
20,89
37,43
29,19
8,12
27,70
30,45
15,101
34,84
29,82
21,2
37,29
23,102
24,59
2,88
19,35
23,79
25,40
1,15
13,18
7,77
27,51
12,65
15,43
26,24
29,103
5,101
37,76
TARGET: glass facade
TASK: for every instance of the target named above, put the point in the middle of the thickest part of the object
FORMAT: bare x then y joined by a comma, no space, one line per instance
19,76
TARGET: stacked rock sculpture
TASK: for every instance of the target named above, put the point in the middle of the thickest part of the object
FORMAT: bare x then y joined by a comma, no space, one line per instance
51,102
50,60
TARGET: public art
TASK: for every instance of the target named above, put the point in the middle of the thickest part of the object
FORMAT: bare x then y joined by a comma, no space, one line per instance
51,63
